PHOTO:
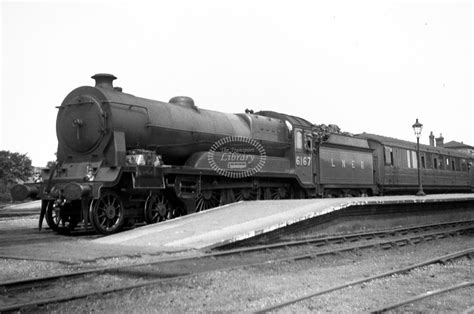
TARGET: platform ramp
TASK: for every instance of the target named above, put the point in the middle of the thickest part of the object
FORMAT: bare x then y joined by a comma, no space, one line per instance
243,220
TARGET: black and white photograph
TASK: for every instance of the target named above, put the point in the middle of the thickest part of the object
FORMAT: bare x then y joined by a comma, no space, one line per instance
236,156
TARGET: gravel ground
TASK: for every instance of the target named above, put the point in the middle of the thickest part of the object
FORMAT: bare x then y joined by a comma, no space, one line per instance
375,294
13,269
255,288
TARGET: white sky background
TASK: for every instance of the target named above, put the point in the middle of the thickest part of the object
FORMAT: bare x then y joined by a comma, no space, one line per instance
365,66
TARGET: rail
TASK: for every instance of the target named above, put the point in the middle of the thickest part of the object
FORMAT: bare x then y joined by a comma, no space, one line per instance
441,259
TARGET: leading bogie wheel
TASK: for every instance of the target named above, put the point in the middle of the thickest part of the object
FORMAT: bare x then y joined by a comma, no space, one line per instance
107,213
59,219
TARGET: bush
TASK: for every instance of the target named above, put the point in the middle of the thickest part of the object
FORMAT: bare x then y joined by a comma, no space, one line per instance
14,168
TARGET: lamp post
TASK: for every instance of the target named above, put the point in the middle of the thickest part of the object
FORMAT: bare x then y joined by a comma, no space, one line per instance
417,127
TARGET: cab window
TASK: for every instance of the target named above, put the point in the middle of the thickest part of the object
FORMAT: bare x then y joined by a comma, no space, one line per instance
298,139
308,142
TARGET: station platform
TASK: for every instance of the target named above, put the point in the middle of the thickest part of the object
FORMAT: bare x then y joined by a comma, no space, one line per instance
243,220
22,209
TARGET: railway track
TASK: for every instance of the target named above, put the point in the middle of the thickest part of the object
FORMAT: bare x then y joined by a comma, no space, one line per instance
440,259
353,237
428,294
18,294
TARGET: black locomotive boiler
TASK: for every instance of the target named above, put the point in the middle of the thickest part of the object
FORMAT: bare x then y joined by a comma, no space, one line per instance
122,159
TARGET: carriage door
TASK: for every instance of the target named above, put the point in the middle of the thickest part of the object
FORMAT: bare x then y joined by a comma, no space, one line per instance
376,169
304,156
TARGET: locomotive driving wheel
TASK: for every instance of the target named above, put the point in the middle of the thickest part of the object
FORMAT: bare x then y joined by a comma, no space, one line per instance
157,208
245,195
208,199
59,218
107,213
275,193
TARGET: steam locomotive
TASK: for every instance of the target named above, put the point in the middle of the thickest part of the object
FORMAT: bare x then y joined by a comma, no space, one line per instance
123,160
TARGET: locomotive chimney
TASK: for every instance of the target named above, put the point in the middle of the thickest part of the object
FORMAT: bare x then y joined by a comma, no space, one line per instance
104,80
432,139
440,140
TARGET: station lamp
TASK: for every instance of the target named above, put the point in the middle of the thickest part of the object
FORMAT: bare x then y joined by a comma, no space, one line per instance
417,127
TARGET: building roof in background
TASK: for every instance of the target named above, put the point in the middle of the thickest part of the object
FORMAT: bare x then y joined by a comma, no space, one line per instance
454,144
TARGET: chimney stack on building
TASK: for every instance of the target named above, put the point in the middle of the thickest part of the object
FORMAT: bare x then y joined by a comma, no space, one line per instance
440,140
432,142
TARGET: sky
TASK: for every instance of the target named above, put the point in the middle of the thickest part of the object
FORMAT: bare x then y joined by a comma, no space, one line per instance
366,66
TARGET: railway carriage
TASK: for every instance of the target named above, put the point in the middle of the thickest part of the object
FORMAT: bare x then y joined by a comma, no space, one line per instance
123,159
396,170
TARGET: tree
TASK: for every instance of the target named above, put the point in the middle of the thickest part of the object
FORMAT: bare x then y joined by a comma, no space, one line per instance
51,164
14,168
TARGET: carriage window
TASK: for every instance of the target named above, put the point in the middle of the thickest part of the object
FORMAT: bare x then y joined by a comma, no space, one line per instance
414,160
298,139
423,165
453,165
435,163
441,163
388,156
411,158
428,162
463,165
